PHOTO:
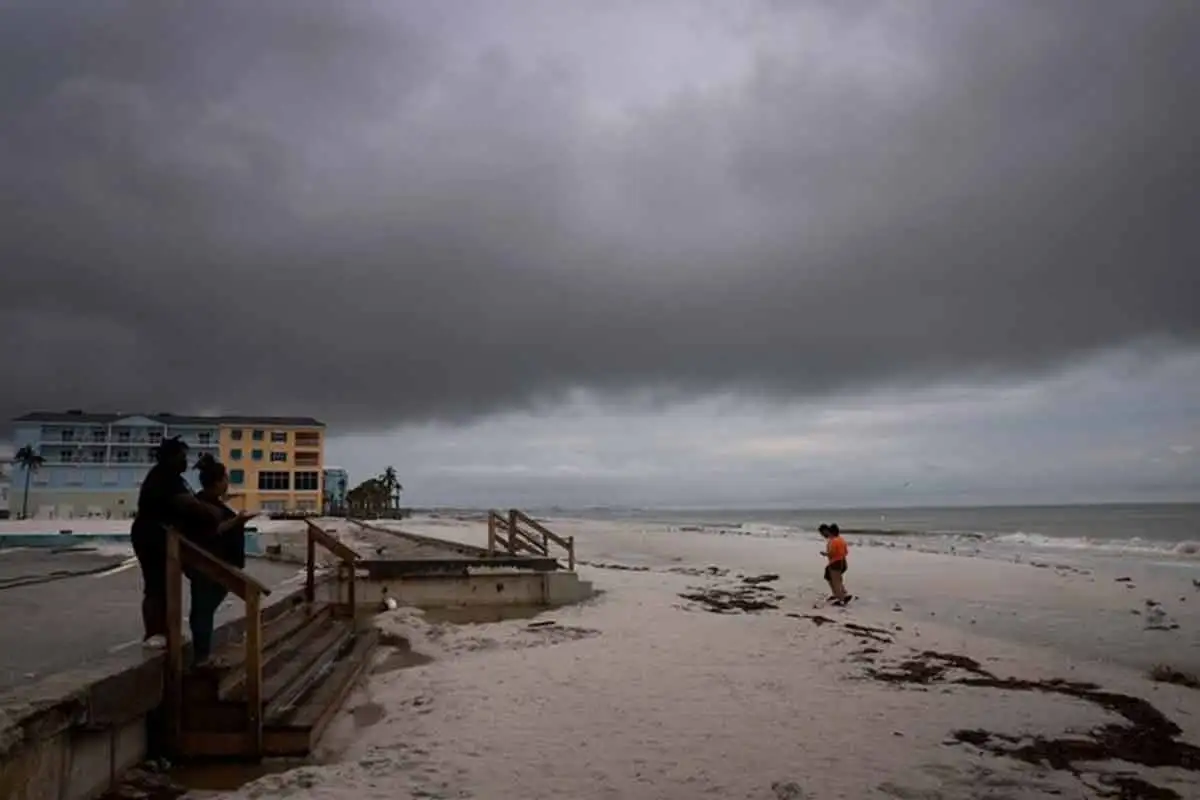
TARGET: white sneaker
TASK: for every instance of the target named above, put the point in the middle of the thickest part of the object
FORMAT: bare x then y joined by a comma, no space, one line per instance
155,643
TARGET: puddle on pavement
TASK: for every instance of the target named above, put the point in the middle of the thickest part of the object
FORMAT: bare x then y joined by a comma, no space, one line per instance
367,714
226,777
195,779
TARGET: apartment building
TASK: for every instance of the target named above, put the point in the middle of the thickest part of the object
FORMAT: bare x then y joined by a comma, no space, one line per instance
337,483
275,464
94,463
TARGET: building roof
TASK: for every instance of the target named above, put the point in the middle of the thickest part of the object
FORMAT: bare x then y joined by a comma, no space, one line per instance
166,418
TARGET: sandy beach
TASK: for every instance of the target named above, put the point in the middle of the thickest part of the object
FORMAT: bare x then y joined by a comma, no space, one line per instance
703,669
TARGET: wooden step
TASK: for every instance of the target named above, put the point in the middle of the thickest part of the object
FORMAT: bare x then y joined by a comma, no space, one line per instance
297,731
304,666
225,674
278,654
308,694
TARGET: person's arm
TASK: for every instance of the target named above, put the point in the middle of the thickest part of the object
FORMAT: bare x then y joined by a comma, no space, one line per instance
187,503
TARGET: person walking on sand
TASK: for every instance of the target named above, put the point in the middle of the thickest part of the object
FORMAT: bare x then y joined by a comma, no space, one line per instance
835,569
225,538
163,501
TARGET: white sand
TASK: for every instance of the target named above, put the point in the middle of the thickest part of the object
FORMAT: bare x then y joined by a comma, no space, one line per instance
640,694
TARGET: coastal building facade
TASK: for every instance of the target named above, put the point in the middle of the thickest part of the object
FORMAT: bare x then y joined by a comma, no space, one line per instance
93,464
337,483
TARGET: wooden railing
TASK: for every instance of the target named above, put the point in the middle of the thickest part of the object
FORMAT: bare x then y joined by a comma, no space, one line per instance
182,553
519,533
346,562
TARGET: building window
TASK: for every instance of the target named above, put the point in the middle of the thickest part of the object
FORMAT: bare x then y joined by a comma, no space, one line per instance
308,439
279,437
154,436
256,436
100,436
68,434
122,456
205,438
123,436
278,458
256,455
306,505
307,458
97,456
236,434
273,481
308,481
235,454
237,476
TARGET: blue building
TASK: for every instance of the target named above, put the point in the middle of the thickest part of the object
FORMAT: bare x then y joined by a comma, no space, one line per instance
94,463
337,483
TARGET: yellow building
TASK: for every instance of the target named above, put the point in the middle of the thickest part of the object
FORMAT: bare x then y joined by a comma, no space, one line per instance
275,463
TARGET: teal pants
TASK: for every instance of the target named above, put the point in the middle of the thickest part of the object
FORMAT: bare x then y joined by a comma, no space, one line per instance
206,598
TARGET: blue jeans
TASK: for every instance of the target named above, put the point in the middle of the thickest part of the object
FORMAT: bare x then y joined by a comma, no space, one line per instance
206,598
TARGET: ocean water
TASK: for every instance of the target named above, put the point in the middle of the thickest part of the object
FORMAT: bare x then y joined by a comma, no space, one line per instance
1160,531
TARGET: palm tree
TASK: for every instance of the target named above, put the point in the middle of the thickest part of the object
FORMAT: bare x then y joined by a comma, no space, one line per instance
31,462
391,485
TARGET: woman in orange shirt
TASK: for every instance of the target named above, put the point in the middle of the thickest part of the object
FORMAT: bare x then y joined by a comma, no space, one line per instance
835,551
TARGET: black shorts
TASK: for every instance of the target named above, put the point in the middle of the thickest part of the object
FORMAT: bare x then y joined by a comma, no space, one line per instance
835,566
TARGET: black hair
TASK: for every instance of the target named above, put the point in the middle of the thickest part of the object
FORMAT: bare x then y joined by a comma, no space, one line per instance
169,448
211,471
823,529
834,530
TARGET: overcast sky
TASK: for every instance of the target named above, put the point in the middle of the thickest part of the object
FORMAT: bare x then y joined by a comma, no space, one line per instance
687,253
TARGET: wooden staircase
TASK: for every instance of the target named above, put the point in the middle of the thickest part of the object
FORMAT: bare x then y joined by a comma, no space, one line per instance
272,691
517,534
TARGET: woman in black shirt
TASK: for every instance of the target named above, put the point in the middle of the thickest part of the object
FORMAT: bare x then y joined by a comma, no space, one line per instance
224,538
165,500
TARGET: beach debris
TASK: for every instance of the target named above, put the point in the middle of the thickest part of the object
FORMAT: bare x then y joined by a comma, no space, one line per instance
614,566
1124,579
744,598
756,579
896,607
789,790
1146,737
542,623
1152,603
1195,583
1161,673
711,571
816,619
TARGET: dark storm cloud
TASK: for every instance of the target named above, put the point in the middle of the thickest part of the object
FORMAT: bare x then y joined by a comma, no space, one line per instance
380,213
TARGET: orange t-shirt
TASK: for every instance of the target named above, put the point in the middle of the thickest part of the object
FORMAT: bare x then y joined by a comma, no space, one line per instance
836,549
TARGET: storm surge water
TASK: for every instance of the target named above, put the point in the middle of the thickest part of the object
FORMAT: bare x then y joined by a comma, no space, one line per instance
1156,531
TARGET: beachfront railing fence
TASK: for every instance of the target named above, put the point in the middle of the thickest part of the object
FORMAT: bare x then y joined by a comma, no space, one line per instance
518,533
180,554
346,565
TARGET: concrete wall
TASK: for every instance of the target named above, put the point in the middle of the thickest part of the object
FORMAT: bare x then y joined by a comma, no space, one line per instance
480,589
47,503
72,735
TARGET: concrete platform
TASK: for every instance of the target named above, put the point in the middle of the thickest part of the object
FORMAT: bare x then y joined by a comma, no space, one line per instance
68,609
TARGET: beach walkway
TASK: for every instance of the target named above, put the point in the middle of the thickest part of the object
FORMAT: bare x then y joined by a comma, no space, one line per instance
64,609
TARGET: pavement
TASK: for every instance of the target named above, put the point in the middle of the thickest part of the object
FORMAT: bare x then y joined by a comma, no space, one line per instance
61,610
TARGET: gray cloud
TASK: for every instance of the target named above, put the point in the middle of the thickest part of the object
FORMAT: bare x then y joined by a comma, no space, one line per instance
1113,429
435,211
